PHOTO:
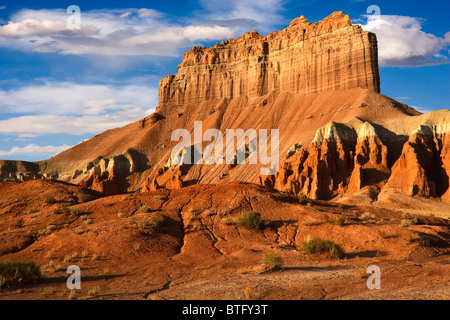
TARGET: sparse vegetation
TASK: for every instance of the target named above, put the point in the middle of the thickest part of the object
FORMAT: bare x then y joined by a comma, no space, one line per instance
302,198
160,197
310,223
409,220
251,220
46,292
53,266
208,213
367,216
50,200
20,271
316,245
339,221
145,209
73,294
273,261
150,225
33,211
93,292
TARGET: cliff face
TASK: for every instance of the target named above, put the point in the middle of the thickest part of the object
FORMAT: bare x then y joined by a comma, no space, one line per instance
305,57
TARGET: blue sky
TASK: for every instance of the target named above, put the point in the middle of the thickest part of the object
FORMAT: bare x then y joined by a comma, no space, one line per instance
60,86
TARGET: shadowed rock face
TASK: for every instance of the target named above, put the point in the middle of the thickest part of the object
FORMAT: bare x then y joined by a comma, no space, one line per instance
303,58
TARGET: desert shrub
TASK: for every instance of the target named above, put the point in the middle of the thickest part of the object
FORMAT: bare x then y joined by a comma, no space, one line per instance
251,220
409,220
77,213
273,261
73,294
310,223
208,213
339,221
145,209
316,245
49,200
302,198
150,225
405,223
33,211
93,292
367,216
20,271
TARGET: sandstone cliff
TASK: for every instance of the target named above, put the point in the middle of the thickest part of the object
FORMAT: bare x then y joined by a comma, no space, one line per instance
305,57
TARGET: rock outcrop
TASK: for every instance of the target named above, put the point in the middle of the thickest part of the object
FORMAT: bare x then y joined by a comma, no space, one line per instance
346,158
305,57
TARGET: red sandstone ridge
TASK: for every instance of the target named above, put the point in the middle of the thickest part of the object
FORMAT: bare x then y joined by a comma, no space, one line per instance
318,83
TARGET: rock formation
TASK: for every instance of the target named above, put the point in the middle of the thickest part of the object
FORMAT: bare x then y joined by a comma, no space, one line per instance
345,158
305,57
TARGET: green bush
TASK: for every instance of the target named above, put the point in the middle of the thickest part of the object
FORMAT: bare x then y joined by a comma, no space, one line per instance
302,198
20,271
273,261
50,200
251,220
316,245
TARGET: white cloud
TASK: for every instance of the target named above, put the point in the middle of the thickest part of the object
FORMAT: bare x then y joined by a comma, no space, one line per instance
71,108
60,124
105,32
66,98
33,149
35,27
421,109
401,42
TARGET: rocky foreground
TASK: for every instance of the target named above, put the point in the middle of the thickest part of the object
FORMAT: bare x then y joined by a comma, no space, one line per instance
187,244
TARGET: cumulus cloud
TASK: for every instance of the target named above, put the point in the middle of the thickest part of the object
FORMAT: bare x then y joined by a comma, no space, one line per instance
402,42
60,124
105,32
35,27
52,108
34,150
72,98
